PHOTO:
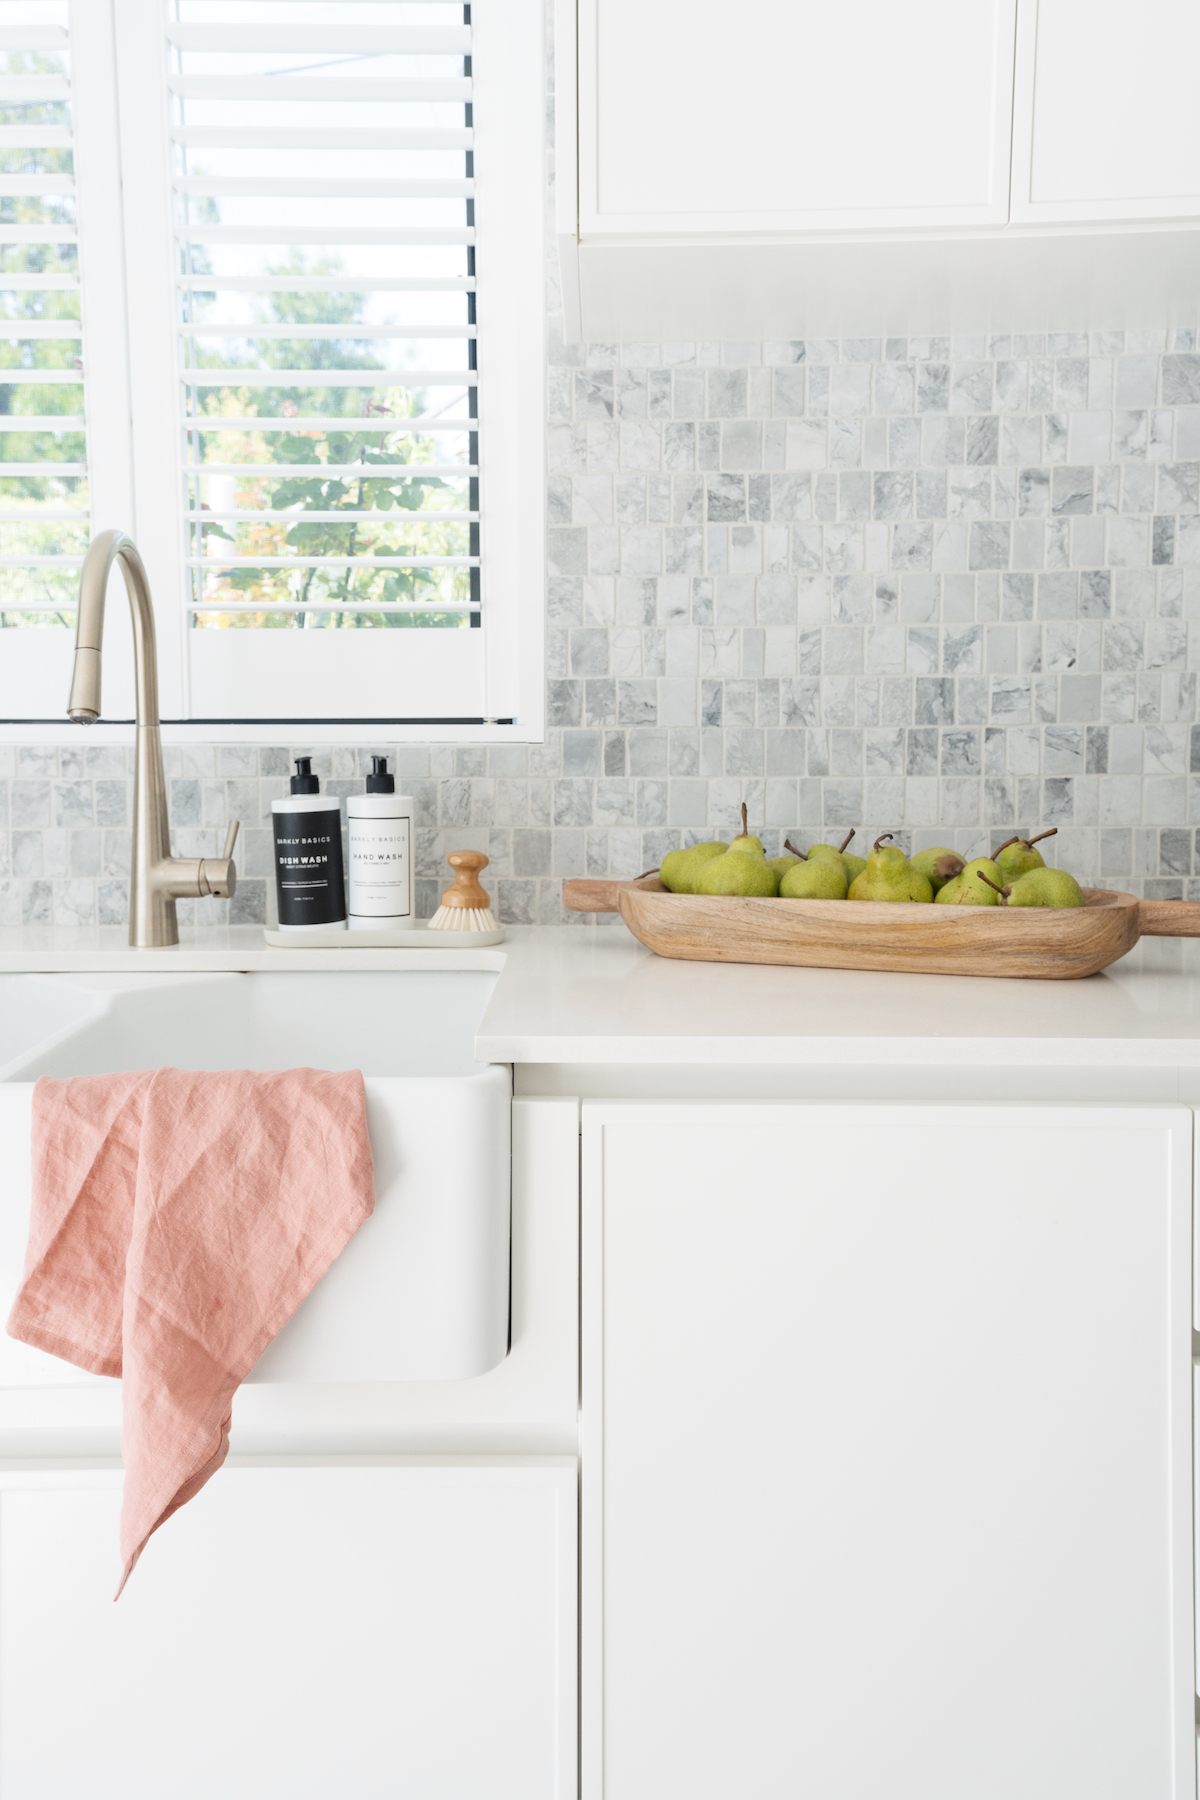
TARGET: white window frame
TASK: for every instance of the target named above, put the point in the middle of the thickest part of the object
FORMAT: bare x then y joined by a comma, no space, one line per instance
132,389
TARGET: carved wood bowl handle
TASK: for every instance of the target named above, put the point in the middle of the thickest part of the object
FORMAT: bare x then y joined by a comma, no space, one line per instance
466,890
1169,918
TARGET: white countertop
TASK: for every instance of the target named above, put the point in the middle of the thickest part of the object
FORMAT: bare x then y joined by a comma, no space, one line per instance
592,994
39,949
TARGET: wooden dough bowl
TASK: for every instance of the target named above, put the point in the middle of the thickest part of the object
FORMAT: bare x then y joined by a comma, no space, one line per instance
1037,943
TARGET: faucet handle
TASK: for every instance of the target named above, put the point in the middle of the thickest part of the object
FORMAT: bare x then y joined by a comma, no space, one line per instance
218,875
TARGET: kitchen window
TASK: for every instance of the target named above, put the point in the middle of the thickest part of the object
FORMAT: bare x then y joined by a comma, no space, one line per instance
329,291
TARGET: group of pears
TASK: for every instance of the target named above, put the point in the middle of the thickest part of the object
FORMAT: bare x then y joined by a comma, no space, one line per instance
1015,875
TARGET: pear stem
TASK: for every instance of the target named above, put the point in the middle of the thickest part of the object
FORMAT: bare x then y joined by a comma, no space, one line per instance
1004,846
646,872
788,845
745,831
1002,891
846,839
881,840
1053,832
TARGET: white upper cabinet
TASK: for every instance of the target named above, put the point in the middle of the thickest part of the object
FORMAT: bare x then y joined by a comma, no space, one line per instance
1105,124
801,168
793,115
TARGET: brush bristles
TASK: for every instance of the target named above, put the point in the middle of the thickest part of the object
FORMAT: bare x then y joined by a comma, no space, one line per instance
463,918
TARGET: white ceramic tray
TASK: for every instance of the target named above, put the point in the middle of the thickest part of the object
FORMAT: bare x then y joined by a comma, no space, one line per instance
416,936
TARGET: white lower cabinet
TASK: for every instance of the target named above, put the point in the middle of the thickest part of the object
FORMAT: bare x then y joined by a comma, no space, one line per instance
295,1633
887,1453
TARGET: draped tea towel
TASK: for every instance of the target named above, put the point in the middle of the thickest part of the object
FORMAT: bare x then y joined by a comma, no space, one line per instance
179,1219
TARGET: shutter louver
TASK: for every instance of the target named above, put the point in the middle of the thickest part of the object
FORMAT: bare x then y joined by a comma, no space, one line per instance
323,189
43,465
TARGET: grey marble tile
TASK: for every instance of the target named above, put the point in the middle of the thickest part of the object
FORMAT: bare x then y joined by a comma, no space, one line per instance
933,387
29,803
1058,595
971,387
1178,487
990,546
854,495
962,650
1181,380
969,494
727,393
895,387
892,495
933,701
1163,541
593,394
960,753
726,498
983,439
929,494
1072,490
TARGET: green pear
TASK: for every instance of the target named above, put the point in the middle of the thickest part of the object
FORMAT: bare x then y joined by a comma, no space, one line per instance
1016,857
745,843
968,890
817,851
938,866
737,873
853,865
824,879
743,870
889,876
1045,887
680,868
781,865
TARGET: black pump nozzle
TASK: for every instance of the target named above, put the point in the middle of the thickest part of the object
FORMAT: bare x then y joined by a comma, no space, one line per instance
379,781
304,781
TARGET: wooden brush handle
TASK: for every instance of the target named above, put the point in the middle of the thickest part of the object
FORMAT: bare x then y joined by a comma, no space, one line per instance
466,890
1169,918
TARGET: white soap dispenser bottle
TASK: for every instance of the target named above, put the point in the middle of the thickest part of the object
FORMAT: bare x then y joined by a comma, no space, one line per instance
380,826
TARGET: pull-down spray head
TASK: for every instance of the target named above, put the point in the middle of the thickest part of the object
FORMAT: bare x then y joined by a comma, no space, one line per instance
84,703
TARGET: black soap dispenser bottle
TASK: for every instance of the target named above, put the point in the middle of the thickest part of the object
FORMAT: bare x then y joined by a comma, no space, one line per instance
309,879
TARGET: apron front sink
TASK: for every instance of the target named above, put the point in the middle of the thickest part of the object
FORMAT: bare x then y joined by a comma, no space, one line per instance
421,1291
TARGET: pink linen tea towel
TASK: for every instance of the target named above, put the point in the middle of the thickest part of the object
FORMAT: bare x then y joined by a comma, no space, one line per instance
178,1221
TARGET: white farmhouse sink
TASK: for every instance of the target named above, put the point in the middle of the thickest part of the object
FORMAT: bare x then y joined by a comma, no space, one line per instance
421,1291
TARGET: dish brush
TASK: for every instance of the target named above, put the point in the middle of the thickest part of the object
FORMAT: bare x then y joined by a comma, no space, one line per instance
465,906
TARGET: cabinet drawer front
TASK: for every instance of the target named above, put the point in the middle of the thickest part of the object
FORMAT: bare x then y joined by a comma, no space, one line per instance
294,1634
887,1452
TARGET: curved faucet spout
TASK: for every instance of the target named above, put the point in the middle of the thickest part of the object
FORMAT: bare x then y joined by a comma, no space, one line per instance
156,879
84,703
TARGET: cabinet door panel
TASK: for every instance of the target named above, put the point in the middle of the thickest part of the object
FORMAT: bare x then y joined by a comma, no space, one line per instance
887,1453
800,116
1105,110
293,1634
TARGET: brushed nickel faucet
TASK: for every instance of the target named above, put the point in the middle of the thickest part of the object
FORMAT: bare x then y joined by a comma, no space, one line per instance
157,879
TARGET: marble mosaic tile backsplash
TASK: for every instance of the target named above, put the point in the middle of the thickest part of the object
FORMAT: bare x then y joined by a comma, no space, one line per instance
944,588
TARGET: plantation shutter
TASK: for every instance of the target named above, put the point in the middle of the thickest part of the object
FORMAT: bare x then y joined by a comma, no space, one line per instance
323,180
43,456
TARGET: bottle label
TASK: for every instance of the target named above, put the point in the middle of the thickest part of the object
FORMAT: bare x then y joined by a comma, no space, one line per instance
309,879
381,884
